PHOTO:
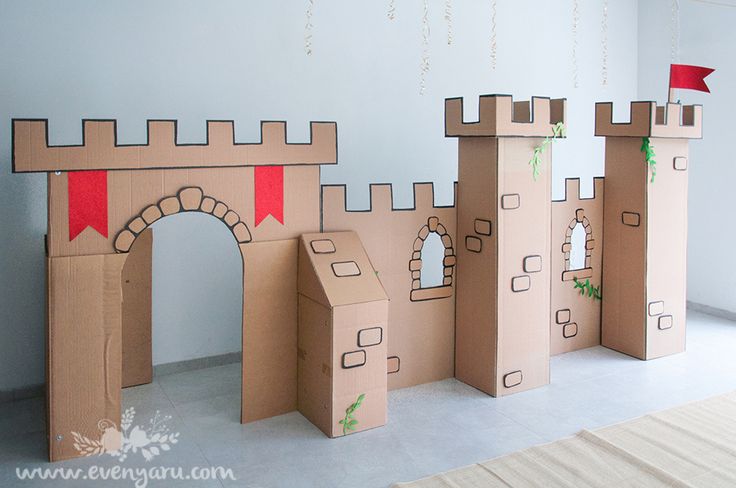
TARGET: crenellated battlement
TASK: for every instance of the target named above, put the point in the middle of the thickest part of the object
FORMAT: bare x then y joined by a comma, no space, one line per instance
572,190
100,149
647,119
381,198
501,116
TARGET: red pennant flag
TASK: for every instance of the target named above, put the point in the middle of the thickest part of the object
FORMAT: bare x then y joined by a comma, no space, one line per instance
690,77
87,202
269,191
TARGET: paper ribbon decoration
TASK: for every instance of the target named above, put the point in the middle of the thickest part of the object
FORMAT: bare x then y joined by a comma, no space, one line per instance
269,192
87,202
689,77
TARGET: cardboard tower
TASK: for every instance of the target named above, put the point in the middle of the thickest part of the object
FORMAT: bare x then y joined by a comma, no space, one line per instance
503,226
645,227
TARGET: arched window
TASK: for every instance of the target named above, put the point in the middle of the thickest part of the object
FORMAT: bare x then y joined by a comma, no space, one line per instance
578,247
433,262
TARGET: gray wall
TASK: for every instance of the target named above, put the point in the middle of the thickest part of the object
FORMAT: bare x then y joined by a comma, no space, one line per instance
194,60
707,38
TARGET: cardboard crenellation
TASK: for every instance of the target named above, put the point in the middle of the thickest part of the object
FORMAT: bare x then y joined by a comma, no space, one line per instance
421,320
319,334
575,317
499,116
334,197
100,149
647,119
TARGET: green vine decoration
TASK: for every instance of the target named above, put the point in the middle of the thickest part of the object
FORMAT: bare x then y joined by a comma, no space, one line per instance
586,288
349,423
557,131
648,150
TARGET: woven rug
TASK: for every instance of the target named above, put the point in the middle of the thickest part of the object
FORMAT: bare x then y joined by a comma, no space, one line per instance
689,446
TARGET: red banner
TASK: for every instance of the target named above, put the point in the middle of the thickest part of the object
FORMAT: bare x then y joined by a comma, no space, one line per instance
87,202
269,191
689,77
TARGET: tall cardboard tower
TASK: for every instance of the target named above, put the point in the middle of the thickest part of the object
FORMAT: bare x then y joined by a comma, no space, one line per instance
503,232
645,229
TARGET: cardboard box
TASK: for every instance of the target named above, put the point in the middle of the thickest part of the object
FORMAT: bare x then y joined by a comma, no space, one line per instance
343,317
504,217
645,234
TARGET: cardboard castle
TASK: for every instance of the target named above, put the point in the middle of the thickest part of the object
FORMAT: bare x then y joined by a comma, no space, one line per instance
335,310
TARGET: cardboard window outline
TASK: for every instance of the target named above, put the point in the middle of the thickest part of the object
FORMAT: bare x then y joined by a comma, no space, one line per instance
319,249
353,270
356,365
668,322
398,365
181,203
380,337
570,324
507,376
418,293
561,321
586,271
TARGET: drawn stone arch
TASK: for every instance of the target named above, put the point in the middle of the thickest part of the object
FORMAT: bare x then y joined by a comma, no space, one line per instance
415,264
188,199
586,271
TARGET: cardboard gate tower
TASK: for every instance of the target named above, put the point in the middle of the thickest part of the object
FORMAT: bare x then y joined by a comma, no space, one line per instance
336,309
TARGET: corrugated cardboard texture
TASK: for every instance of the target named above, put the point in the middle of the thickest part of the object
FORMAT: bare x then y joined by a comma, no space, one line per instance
422,334
136,323
370,377
269,329
84,375
523,330
502,329
575,319
100,150
624,247
342,277
499,115
648,120
476,333
666,252
340,354
138,198
314,363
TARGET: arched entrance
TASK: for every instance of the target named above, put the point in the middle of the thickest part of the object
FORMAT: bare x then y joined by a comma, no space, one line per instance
136,240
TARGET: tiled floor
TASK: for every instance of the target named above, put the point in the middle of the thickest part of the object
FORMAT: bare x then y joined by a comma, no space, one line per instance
431,428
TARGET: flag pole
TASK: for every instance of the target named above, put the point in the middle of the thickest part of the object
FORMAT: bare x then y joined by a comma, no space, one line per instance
671,98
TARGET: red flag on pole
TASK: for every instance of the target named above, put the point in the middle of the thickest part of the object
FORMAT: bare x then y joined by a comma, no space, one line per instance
87,202
689,77
269,193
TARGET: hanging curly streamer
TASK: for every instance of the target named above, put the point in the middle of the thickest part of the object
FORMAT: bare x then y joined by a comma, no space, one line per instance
494,47
448,19
425,48
308,28
604,44
675,28
391,9
575,21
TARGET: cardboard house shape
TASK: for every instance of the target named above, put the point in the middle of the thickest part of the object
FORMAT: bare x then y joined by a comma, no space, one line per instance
343,314
336,309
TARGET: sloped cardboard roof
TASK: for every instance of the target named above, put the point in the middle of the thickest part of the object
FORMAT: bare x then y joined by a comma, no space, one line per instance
334,270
